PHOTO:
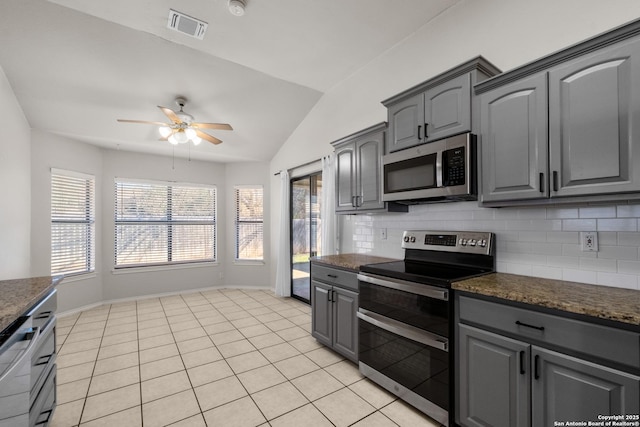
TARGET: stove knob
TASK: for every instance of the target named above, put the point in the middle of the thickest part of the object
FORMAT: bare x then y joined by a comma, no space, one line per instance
413,239
483,243
406,239
463,242
472,242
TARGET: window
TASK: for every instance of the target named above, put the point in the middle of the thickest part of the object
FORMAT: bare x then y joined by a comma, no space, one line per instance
249,223
160,223
72,222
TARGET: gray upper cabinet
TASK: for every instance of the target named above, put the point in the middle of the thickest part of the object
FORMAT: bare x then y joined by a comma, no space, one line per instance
437,108
359,172
594,119
566,127
513,128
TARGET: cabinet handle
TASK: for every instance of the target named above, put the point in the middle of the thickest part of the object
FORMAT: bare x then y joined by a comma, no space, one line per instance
353,201
333,296
536,367
333,276
329,295
526,325
541,182
419,137
522,370
358,201
555,180
425,130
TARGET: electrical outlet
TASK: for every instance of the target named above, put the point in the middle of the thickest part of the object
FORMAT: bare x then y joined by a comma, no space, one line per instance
383,234
589,241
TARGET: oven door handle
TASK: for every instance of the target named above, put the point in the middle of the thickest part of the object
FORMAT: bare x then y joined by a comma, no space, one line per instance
405,331
401,285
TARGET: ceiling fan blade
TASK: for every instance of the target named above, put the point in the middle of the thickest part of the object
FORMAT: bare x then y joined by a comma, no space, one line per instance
171,114
219,126
206,136
144,122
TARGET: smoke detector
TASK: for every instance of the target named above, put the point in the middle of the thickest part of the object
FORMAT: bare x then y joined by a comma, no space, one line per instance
236,7
185,24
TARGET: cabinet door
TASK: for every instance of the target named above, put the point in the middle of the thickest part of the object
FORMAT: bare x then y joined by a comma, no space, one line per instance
594,127
369,172
447,108
494,379
321,314
345,327
345,177
567,388
406,124
513,141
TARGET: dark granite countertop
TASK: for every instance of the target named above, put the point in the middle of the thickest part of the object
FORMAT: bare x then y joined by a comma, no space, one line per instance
19,295
603,302
350,261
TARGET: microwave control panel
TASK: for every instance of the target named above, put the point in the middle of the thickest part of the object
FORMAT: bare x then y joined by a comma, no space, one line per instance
454,167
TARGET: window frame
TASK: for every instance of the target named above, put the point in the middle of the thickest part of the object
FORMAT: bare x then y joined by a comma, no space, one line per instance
169,222
238,222
88,221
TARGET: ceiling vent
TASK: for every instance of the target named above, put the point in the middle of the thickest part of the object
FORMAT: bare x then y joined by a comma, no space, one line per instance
186,25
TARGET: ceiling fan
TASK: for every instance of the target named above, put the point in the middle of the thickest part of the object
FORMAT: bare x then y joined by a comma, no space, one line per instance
182,128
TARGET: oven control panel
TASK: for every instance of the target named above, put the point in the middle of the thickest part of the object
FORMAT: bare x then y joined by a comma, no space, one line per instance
475,242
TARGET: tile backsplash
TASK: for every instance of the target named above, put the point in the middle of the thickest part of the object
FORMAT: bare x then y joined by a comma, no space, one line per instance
538,241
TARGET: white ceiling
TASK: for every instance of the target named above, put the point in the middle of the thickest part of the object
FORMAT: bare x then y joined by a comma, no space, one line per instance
76,65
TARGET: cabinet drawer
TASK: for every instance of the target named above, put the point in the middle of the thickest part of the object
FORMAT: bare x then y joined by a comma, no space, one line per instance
615,345
345,279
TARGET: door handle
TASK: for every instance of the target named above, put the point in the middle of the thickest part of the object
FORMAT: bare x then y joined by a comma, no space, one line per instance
541,182
536,367
425,131
522,369
419,127
555,180
526,325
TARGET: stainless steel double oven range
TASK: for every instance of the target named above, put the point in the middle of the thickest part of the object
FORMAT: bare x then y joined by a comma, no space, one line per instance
405,316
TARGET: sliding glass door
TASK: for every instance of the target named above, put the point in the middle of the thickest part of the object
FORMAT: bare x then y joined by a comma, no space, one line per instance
306,194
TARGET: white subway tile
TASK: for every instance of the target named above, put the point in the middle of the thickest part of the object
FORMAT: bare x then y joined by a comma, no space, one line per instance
628,239
532,236
522,269
563,237
546,272
576,250
625,224
627,211
627,281
579,224
550,249
532,213
562,213
590,264
617,252
519,247
580,276
629,267
598,212
607,238
563,261
506,213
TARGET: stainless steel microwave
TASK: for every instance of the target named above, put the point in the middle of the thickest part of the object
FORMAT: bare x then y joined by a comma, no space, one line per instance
438,171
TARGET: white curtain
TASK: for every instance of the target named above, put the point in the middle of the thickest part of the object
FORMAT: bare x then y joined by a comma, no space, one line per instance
283,267
328,206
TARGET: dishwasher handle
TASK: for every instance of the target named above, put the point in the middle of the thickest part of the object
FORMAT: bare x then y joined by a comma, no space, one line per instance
33,335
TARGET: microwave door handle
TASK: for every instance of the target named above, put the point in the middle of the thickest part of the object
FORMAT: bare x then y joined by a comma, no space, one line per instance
439,180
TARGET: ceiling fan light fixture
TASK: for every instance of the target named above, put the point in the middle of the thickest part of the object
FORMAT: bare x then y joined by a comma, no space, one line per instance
236,7
191,133
172,139
165,131
196,140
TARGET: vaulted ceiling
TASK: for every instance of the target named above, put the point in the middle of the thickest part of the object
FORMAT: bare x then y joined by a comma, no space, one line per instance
76,66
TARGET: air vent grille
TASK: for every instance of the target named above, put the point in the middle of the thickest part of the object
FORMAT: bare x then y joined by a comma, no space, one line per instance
186,25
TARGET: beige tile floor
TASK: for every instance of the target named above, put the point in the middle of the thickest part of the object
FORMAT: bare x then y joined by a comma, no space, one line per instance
217,358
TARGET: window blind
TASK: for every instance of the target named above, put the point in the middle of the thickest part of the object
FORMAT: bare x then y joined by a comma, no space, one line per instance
249,223
72,222
164,223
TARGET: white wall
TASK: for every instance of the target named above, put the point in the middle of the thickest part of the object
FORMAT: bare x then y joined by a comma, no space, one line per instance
15,191
508,33
247,274
53,151
106,284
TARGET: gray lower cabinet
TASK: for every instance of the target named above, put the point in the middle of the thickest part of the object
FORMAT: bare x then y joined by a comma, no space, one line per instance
566,126
333,309
508,377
